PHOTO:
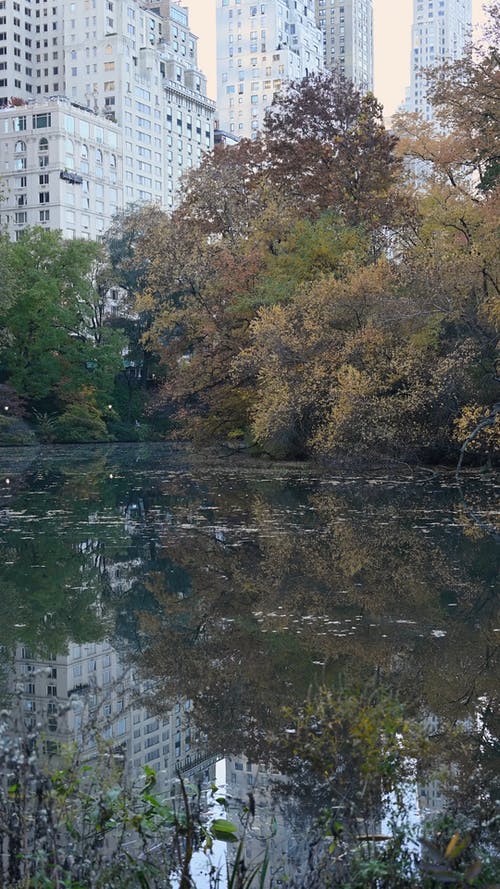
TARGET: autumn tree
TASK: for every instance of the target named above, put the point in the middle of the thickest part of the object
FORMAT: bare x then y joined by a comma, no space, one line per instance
465,94
235,242
460,146
203,265
303,298
382,361
327,148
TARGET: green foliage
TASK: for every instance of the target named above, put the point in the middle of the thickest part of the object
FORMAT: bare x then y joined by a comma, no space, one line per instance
14,431
81,422
310,250
45,426
57,342
71,821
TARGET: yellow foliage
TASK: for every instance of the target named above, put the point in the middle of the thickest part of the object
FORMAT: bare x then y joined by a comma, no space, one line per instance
487,439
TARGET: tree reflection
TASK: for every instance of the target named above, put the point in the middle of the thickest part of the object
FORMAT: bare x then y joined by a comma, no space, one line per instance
242,586
357,584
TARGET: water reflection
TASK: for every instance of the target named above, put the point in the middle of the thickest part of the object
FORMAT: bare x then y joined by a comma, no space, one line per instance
181,603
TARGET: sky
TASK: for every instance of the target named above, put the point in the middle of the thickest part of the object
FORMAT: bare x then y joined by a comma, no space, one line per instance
393,20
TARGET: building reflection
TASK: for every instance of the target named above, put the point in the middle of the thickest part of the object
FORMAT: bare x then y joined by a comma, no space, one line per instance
91,692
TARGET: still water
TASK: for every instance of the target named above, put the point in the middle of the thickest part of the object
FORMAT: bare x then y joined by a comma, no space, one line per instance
195,601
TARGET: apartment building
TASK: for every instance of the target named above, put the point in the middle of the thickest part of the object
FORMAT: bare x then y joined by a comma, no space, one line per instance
61,168
130,62
347,27
261,46
440,31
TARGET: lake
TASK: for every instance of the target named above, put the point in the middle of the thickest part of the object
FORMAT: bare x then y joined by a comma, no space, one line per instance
190,604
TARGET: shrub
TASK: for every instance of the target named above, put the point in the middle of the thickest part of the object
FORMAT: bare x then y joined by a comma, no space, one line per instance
81,423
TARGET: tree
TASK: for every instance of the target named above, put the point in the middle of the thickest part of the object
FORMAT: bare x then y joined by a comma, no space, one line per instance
327,148
58,342
202,269
461,146
235,243
7,285
309,335
311,249
466,96
381,361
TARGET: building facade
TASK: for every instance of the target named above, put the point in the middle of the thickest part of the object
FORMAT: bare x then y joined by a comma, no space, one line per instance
62,168
261,46
130,62
347,27
441,29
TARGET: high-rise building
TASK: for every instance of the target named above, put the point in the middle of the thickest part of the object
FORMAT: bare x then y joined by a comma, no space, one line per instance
441,29
347,27
130,62
260,46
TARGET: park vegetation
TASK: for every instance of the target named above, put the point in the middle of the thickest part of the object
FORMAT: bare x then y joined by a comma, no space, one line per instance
328,290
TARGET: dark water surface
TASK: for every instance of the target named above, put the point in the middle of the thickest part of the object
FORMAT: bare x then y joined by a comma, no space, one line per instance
224,589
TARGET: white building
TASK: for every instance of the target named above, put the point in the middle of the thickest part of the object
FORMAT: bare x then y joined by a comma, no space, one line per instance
133,62
136,60
261,46
347,27
441,29
62,168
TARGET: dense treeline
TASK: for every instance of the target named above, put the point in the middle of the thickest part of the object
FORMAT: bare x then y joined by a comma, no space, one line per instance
305,297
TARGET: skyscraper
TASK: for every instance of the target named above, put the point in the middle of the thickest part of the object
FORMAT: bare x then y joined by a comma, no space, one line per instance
441,29
347,27
259,47
131,63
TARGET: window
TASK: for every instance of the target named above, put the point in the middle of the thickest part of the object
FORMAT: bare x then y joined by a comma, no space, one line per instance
20,147
44,215
41,121
44,198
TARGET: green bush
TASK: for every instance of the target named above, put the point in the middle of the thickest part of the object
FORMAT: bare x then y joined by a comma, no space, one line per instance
81,423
